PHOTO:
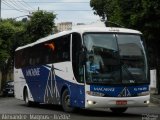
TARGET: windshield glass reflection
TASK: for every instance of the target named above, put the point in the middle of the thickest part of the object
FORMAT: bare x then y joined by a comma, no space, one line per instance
114,58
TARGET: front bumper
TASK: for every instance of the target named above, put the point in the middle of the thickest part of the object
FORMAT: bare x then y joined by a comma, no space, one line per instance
104,102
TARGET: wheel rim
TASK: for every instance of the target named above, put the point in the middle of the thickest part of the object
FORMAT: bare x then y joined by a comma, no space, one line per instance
67,100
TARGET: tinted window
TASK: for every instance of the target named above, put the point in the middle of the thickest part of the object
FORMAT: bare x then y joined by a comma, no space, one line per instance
76,48
53,51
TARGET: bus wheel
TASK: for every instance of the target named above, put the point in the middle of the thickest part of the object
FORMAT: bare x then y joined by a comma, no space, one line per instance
26,98
119,110
65,100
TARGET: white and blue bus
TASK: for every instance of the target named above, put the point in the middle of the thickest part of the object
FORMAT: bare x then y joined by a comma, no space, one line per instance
84,68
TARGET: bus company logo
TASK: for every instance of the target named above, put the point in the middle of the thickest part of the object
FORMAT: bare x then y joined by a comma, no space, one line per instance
33,72
125,93
104,89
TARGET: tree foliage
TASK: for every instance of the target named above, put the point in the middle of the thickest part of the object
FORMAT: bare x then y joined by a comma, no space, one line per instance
40,25
8,30
17,33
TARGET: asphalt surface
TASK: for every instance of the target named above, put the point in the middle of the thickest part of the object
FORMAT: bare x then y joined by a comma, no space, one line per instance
11,106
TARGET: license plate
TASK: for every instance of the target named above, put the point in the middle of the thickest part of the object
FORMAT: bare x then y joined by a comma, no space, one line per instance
121,102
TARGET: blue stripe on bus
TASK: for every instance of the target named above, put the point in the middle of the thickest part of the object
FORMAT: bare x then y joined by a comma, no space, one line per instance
46,87
120,91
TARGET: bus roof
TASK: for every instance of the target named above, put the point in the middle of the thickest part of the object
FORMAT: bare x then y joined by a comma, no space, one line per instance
81,31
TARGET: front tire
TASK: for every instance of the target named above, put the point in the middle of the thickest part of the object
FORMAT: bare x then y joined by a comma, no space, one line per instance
119,110
65,100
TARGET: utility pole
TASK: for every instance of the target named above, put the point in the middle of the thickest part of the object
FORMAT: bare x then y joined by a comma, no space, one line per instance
0,9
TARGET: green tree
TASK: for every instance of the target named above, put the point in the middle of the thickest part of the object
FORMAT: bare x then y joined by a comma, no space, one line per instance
17,33
143,15
40,25
9,29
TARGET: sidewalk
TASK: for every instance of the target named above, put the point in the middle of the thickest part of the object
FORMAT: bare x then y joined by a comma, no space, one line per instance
155,98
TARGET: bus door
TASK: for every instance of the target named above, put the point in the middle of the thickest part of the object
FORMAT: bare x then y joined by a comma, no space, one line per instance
78,90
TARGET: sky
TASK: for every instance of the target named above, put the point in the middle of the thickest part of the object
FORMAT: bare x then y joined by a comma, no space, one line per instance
66,10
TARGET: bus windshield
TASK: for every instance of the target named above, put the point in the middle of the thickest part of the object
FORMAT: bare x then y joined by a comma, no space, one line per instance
115,58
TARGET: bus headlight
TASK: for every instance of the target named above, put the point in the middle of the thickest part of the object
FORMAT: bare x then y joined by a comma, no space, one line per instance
91,102
143,93
147,102
95,93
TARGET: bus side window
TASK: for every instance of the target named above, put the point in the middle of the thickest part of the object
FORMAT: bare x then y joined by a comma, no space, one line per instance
66,48
62,49
19,61
25,56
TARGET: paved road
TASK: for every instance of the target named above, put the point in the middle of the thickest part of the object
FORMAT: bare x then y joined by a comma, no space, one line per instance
13,106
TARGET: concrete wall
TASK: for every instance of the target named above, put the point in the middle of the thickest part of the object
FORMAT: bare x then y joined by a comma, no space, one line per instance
9,77
153,84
